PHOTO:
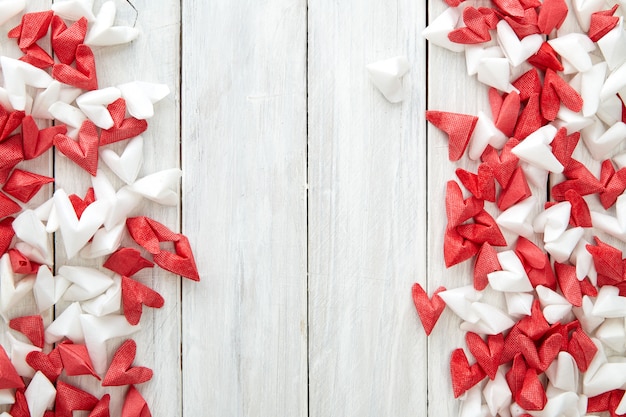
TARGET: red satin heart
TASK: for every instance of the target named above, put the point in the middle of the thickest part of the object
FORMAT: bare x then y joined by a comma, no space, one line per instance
531,396
84,75
120,371
80,204
487,354
76,360
102,408
127,262
65,40
148,233
33,27
83,152
31,327
551,15
70,398
459,128
546,57
582,349
8,206
123,128
9,377
23,185
134,296
50,365
486,262
10,155
463,375
135,405
35,141
428,310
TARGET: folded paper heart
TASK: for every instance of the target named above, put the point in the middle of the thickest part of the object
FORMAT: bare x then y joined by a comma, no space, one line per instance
83,75
102,408
103,33
104,242
121,372
40,395
50,365
140,97
127,262
428,310
135,295
612,44
134,404
127,165
12,291
149,233
387,77
21,264
159,187
48,289
65,40
19,352
516,50
123,128
31,327
94,105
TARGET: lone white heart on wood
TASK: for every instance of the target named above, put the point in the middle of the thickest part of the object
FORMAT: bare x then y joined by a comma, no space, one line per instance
387,77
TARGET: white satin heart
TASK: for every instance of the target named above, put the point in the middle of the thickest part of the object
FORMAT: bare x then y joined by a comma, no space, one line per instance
562,247
141,96
387,77
10,8
17,75
127,165
31,230
575,48
585,316
40,395
613,334
67,324
56,91
86,283
107,303
103,33
19,351
74,9
498,395
519,304
94,105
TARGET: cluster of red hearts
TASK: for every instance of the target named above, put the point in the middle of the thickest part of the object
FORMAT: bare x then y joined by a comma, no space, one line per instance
555,344
42,87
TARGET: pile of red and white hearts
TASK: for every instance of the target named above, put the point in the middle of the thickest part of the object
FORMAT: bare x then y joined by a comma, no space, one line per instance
65,90
556,73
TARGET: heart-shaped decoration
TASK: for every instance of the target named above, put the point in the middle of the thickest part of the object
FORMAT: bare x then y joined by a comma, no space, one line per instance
19,74
486,262
23,185
483,230
456,248
546,57
127,262
463,375
70,398
94,105
50,365
459,128
103,33
135,405
84,75
33,27
515,191
135,295
123,128
582,349
80,204
531,396
481,184
120,371
487,354
83,152
475,31
8,206
31,327
11,154
65,41
22,265
35,141
127,165
76,360
141,96
429,310
36,56
540,359
556,91
516,50
9,122
102,408
551,15
459,210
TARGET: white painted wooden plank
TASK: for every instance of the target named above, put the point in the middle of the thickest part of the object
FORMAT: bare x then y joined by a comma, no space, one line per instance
154,57
367,178
244,157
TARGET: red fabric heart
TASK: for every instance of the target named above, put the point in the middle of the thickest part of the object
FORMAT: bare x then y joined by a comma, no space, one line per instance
515,191
76,360
563,146
512,8
83,152
582,349
120,371
456,248
532,395
123,128
568,282
35,142
428,310
546,57
555,91
21,264
9,377
608,401
503,165
486,262
580,179
481,184
84,75
607,261
552,15
6,233
65,40
36,56
484,230
459,128
525,25
135,405
20,406
459,210
463,375
487,354
528,84
530,119
508,113
70,398
33,27
476,29
127,262
515,376
587,288
134,296
8,206
9,121
612,184
580,216
540,358
102,408
148,233
23,185
602,22
50,365
534,326
80,204
10,155
453,3
31,327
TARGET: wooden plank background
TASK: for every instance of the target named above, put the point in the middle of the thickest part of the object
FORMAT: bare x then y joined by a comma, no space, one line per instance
311,202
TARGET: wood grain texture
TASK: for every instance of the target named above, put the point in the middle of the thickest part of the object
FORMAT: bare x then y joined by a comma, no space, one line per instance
244,192
153,57
367,178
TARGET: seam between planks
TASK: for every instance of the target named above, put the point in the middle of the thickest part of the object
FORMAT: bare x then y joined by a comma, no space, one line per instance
180,196
307,246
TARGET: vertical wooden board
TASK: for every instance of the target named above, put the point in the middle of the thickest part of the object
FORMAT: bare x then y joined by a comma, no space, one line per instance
153,57
244,198
367,351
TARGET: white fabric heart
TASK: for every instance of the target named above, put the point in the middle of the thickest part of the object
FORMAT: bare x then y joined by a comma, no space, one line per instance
609,304
575,48
485,133
103,33
613,334
614,83
387,77
614,226
602,375
583,10
495,72
563,372
561,248
601,146
516,50
127,165
460,300
491,321
536,150
94,105
610,111
17,75
498,395
474,54
121,204
141,96
518,304
584,262
585,316
613,45
104,242
40,395
31,230
71,116
437,31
